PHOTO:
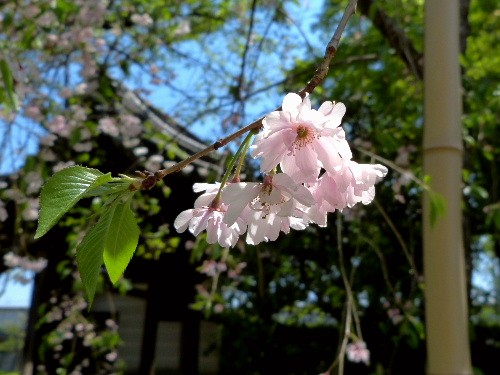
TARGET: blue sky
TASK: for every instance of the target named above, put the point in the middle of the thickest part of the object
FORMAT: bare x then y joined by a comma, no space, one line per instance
15,294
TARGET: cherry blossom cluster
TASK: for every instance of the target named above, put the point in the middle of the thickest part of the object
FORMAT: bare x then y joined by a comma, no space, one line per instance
307,170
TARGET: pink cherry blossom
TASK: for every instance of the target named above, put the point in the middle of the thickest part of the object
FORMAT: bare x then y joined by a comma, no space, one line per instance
318,177
108,125
352,184
267,208
59,126
263,228
30,212
303,140
142,19
357,352
210,219
208,215
13,260
278,191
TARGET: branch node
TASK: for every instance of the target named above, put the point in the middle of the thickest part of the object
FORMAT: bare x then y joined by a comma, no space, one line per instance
218,144
149,179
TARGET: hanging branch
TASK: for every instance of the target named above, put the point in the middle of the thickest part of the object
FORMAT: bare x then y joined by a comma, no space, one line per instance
395,36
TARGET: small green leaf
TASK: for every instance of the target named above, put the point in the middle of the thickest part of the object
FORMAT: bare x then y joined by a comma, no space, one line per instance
113,239
63,190
89,258
8,82
121,241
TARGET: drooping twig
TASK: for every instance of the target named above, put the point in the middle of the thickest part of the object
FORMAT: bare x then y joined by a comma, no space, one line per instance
339,361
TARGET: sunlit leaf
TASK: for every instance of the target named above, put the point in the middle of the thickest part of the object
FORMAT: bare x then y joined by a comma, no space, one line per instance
120,241
63,190
112,240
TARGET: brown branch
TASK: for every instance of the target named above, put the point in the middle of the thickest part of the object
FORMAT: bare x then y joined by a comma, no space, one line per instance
395,36
317,78
241,78
331,50
464,24
216,145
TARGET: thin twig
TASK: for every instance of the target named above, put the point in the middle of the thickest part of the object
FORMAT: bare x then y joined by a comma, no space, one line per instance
399,237
331,50
383,263
355,314
350,299
394,166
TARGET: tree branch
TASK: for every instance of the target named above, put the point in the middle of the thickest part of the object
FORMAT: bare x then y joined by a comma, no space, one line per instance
464,24
316,79
395,36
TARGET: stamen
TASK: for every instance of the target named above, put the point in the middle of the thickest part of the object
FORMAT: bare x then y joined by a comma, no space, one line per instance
305,136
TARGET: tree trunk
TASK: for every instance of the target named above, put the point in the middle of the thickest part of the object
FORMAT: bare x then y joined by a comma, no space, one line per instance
445,284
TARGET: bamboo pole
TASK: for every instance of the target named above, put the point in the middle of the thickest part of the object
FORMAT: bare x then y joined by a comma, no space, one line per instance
446,313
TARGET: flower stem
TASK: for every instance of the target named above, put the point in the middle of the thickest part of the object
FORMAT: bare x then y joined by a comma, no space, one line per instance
247,142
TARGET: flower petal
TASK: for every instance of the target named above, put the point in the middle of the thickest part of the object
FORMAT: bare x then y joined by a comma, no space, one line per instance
291,102
303,166
182,220
237,196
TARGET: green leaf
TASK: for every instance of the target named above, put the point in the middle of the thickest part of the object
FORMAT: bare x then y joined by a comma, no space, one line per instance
121,241
8,82
63,190
113,187
89,257
112,240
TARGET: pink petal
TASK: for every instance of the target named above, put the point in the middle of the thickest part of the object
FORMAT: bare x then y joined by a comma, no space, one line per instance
199,223
273,228
328,154
303,166
335,116
297,191
271,149
182,220
237,196
256,231
298,223
277,121
291,102
343,148
326,108
287,208
212,232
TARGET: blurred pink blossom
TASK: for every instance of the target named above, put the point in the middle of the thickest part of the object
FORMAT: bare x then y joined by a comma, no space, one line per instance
13,260
142,19
357,352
